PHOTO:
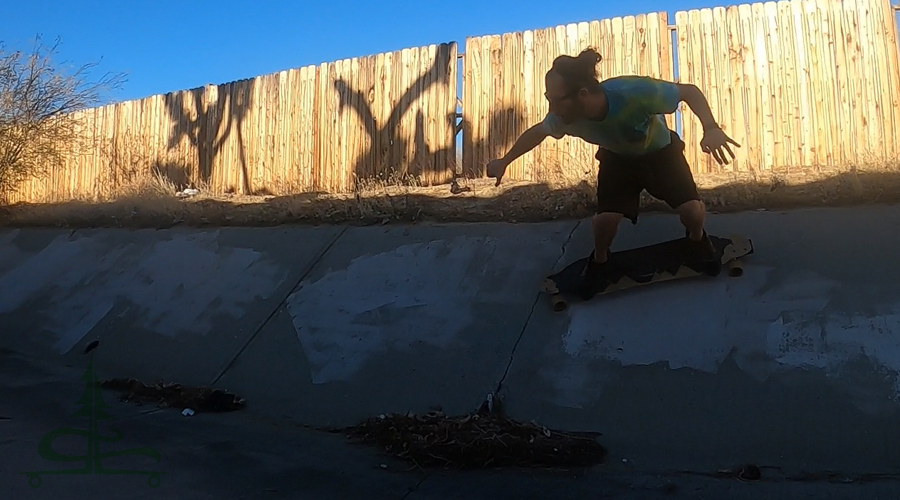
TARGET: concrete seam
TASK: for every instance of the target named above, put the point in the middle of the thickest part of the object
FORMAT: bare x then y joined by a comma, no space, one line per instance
566,243
414,488
279,305
512,354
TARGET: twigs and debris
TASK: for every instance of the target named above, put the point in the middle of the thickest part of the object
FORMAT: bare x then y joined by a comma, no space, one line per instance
199,399
476,441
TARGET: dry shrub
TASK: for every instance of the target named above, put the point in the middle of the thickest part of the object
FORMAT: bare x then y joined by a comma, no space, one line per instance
39,127
477,441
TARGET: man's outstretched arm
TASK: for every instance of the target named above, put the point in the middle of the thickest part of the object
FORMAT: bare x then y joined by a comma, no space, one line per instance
693,96
715,141
529,140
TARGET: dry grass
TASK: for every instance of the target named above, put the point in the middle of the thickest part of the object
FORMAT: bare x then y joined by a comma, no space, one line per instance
150,201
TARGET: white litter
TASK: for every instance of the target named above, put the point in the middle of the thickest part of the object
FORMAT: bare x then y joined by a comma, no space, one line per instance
187,193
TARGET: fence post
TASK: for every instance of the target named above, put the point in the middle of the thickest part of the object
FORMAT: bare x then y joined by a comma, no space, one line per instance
676,75
458,144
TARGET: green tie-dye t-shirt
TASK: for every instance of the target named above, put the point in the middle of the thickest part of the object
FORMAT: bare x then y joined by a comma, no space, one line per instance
635,124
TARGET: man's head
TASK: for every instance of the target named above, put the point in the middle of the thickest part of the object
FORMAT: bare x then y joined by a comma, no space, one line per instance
572,88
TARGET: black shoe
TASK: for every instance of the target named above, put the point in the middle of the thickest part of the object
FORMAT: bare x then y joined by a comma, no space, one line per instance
593,278
702,254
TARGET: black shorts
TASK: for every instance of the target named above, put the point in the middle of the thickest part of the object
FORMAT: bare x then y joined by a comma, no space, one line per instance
665,174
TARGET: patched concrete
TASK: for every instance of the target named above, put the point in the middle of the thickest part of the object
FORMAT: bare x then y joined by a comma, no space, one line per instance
400,319
795,364
175,304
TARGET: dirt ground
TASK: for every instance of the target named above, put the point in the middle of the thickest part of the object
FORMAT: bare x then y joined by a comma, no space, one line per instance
153,204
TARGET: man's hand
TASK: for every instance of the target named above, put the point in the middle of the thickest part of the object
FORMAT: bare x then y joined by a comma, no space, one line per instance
715,142
497,168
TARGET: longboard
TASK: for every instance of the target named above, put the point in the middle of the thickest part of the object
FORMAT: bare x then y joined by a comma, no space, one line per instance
639,266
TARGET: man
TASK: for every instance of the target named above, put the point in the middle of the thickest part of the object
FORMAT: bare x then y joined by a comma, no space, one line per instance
624,117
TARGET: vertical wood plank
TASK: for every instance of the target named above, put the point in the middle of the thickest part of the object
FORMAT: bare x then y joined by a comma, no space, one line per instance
469,104
764,62
366,144
379,95
308,124
399,75
805,134
385,123
537,99
662,66
787,89
736,127
856,78
822,77
412,89
452,105
874,118
717,57
889,38
526,101
431,108
828,65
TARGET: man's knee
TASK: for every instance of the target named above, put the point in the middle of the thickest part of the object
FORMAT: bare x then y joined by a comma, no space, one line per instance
607,221
692,210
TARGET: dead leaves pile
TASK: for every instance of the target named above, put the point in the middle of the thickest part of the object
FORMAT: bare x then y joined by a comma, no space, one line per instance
476,441
200,399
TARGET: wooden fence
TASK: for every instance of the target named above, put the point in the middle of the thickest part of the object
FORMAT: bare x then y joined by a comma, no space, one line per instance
314,128
806,83
503,86
801,83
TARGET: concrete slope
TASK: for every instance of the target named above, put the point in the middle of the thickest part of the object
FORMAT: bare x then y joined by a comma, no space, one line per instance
793,365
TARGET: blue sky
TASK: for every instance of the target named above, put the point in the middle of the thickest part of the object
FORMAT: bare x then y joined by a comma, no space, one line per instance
167,45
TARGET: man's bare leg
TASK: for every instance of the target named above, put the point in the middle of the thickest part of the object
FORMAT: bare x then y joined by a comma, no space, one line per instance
693,217
604,226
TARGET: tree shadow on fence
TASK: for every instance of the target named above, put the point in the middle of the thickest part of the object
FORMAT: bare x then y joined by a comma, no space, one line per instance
205,133
387,153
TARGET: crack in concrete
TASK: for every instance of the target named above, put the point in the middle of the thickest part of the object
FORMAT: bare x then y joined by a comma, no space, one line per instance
531,312
566,243
802,477
275,309
413,489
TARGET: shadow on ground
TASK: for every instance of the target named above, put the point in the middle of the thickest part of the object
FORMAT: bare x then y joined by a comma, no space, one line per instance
475,200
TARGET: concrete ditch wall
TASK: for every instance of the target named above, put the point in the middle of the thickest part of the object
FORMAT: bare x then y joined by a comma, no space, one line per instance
795,363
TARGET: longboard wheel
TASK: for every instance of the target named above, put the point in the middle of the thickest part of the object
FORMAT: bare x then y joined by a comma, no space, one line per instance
735,268
558,302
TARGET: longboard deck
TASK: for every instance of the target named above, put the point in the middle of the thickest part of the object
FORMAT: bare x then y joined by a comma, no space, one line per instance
654,263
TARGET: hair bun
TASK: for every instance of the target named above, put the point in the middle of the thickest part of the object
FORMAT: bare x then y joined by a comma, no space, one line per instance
590,55
579,71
